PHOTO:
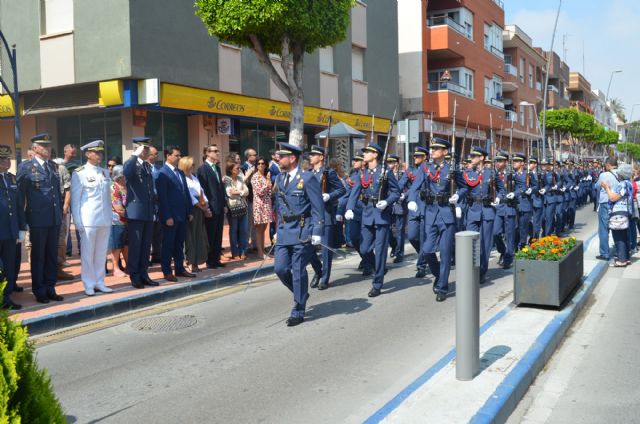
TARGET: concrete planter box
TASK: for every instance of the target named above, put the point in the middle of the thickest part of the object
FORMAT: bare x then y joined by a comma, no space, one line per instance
548,283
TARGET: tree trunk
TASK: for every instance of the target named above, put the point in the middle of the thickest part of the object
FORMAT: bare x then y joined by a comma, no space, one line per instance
296,128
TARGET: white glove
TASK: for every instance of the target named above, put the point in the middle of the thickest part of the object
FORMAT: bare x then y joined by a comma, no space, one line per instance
325,197
576,188
542,191
382,205
21,236
316,240
274,240
401,196
413,206
511,195
589,178
348,215
496,202
454,199
458,212
138,150
555,187
528,192
563,189
339,218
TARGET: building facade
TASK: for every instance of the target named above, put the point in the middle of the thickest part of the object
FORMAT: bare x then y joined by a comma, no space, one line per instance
90,69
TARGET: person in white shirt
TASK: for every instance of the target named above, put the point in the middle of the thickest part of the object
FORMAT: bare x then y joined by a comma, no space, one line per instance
197,242
91,208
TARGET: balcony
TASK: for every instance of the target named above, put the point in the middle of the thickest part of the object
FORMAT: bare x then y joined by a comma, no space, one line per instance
446,20
510,70
497,103
553,88
510,116
495,51
449,86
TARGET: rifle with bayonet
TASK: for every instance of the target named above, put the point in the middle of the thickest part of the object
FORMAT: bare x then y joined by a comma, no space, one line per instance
325,170
452,165
384,179
492,144
464,140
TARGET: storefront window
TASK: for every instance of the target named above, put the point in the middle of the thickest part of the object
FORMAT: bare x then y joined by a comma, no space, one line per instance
166,129
81,129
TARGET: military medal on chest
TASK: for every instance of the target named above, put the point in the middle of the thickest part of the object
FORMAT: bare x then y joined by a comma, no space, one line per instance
300,184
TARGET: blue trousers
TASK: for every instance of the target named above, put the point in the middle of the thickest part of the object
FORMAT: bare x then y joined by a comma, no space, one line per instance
633,234
399,223
537,222
324,268
44,259
505,225
374,246
485,228
603,230
173,247
523,228
8,250
238,234
549,217
621,241
140,234
440,236
290,265
416,235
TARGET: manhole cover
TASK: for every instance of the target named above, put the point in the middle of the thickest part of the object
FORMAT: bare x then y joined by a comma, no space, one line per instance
165,324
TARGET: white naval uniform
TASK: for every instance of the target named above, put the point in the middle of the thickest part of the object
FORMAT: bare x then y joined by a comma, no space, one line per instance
91,207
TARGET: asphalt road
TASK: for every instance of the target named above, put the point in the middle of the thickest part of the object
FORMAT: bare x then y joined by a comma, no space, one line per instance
240,364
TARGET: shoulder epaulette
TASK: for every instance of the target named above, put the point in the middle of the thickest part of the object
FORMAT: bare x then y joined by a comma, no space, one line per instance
80,168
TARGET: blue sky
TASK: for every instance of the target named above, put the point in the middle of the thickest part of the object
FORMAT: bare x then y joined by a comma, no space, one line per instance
610,30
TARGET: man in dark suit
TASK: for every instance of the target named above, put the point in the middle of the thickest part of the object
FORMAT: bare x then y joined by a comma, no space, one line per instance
174,210
139,211
13,225
211,181
39,183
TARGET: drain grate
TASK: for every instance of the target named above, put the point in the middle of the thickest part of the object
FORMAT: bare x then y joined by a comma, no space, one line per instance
164,324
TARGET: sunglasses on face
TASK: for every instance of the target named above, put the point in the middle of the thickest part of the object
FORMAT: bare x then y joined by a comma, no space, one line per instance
261,163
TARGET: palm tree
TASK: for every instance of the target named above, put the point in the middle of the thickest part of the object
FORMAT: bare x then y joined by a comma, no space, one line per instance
618,108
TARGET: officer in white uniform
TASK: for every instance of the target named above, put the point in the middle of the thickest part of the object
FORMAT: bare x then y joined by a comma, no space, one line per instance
91,207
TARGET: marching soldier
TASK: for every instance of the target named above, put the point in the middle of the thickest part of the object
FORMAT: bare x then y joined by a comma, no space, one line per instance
13,226
548,191
91,208
334,191
39,184
433,186
377,189
140,210
399,210
416,229
482,189
505,221
300,212
537,199
524,186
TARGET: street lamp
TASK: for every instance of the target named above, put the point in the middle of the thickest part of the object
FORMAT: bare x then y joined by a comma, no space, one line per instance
546,83
535,111
15,95
609,87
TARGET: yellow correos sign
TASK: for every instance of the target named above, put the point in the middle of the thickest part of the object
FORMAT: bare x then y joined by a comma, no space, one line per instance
180,97
6,106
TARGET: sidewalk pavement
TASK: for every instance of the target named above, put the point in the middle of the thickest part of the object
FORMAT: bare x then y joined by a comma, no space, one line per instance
78,307
514,347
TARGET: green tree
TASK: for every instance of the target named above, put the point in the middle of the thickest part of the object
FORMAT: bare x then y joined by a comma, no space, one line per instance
562,120
289,28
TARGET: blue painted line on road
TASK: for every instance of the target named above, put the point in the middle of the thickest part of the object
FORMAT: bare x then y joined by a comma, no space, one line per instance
503,401
390,406
383,412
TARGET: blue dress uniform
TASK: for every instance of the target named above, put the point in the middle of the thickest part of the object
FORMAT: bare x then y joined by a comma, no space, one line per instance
548,190
39,184
415,226
537,201
140,210
335,190
504,224
13,226
375,222
300,218
399,214
524,195
433,186
481,213
563,200
353,226
573,189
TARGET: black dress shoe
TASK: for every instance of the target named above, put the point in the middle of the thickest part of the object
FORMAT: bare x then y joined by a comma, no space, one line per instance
293,321
374,292
149,282
421,273
185,274
398,259
367,273
602,258
42,299
323,286
137,284
441,297
360,266
433,288
315,281
55,296
392,254
18,289
483,278
9,304
507,266
169,277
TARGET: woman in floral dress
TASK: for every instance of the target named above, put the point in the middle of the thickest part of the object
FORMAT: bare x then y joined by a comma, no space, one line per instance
261,183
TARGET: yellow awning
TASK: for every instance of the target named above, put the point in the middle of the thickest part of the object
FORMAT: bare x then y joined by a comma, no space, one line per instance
6,106
111,93
218,102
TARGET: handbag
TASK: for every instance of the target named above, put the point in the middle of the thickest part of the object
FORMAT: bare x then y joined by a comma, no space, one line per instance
237,209
618,222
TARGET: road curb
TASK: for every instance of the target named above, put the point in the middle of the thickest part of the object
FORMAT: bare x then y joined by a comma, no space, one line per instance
505,398
62,319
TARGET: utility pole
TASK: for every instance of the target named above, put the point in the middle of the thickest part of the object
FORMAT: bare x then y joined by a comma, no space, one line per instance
15,95
546,79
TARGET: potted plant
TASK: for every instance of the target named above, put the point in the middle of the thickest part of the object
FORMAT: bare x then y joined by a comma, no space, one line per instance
547,271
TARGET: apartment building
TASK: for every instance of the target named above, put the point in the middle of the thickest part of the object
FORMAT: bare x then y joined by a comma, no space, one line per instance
558,95
580,92
91,69
451,57
601,110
